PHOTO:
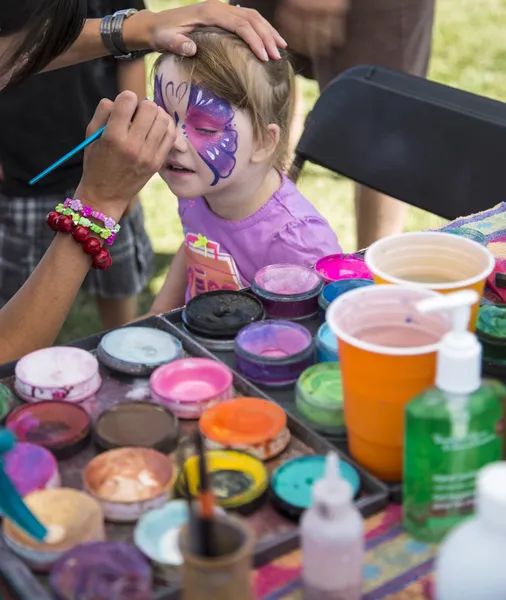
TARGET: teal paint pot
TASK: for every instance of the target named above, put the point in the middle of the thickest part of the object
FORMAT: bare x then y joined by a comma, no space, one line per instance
336,289
491,331
326,345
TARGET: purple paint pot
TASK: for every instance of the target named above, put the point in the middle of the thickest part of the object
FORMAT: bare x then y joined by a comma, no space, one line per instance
288,291
57,373
274,353
102,571
215,318
32,468
342,266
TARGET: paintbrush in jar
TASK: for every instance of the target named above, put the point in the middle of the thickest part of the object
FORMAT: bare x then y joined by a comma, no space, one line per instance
205,517
193,537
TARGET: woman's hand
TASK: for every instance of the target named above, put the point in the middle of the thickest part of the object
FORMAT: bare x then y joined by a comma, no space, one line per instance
131,150
166,30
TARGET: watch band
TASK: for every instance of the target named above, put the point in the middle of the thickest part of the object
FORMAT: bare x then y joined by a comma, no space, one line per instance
111,31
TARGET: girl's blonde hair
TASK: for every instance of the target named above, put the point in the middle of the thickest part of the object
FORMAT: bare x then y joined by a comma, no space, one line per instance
225,64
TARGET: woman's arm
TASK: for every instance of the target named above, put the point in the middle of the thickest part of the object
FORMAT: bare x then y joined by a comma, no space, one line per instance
172,294
166,30
132,148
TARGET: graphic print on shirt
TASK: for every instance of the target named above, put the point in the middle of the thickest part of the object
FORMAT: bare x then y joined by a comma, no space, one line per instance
209,268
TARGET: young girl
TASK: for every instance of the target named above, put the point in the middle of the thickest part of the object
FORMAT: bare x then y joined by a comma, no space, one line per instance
238,210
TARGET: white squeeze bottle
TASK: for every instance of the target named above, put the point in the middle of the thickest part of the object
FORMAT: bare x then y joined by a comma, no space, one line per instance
471,564
332,540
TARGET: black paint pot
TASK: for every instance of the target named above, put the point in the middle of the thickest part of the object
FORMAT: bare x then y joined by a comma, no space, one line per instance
215,318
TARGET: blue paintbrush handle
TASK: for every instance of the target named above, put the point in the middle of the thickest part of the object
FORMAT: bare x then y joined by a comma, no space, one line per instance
70,154
11,503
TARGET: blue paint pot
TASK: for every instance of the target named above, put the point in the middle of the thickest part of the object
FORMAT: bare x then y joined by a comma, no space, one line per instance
326,345
335,289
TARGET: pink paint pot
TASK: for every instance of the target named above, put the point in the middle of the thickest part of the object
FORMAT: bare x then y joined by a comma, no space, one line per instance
32,468
342,266
57,373
191,385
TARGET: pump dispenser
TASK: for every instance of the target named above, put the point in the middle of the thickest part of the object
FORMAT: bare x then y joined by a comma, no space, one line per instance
451,430
332,539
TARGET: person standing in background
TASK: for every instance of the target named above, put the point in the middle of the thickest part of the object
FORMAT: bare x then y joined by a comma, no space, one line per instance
40,120
330,36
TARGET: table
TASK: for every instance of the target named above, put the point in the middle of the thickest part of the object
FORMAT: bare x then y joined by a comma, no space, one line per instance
396,566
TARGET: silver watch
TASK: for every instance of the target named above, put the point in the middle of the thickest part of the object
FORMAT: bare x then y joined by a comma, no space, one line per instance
111,31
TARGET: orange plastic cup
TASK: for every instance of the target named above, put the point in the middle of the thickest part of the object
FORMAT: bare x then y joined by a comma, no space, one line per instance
387,352
439,261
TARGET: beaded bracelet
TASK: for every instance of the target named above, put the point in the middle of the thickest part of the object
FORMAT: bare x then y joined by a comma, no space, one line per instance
65,224
87,211
106,233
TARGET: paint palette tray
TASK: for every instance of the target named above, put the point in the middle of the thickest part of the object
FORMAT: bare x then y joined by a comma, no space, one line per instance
284,396
276,534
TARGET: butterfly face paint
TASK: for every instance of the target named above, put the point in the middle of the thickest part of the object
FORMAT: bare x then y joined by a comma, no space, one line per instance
209,127
208,123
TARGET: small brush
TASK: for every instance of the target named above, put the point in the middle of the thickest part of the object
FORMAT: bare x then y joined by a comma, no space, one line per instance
193,537
206,501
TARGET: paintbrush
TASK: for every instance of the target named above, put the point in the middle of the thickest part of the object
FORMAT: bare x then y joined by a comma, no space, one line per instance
73,152
205,517
193,539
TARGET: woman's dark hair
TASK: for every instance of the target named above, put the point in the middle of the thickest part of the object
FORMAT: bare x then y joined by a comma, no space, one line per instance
47,28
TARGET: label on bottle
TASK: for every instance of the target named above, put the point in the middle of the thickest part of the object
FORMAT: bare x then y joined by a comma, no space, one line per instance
443,455
350,593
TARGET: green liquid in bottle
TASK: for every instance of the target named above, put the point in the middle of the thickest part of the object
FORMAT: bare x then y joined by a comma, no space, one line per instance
448,438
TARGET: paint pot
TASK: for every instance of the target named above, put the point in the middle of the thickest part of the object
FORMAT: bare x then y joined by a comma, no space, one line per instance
7,401
57,373
291,488
74,518
288,291
468,233
62,428
326,345
127,482
335,289
253,425
31,468
137,424
191,385
215,318
109,570
319,398
491,331
157,536
238,480
274,353
138,350
342,266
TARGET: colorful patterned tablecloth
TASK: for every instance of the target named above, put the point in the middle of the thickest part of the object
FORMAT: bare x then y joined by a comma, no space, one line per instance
397,567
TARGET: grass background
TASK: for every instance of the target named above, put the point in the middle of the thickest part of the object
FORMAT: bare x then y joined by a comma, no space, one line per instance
469,52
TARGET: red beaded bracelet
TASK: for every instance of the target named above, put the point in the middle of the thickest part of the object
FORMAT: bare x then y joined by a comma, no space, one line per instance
101,258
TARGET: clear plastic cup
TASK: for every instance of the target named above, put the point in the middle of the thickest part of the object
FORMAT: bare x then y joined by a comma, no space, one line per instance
388,354
439,261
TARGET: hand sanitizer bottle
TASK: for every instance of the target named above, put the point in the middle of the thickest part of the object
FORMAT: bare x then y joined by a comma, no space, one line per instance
451,430
470,564
332,540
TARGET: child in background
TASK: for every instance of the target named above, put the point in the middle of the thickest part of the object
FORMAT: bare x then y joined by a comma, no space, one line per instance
238,210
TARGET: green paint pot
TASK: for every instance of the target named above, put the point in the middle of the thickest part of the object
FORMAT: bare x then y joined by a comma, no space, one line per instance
319,398
491,331
7,401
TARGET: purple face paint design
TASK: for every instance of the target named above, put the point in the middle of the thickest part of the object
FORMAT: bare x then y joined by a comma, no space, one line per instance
166,90
208,126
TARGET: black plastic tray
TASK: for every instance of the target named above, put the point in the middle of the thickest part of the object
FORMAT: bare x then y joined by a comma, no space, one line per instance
282,538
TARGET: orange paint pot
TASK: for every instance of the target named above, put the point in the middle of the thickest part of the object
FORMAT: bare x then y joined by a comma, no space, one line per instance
251,425
439,261
388,355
